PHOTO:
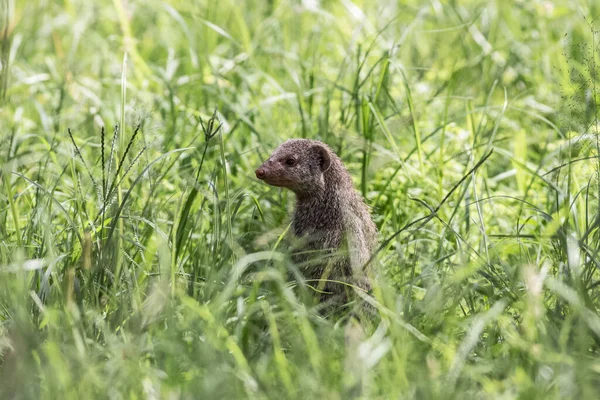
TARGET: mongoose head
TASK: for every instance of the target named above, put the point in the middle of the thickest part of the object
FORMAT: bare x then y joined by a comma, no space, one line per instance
299,165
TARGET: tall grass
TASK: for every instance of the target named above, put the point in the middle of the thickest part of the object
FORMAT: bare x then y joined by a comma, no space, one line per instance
140,258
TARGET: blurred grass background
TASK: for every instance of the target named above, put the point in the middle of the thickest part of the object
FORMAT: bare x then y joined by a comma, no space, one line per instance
136,250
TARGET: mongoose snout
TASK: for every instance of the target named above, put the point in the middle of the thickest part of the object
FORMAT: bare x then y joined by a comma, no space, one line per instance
260,173
330,216
272,174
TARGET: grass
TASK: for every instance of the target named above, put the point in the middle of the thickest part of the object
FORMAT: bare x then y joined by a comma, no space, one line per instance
140,258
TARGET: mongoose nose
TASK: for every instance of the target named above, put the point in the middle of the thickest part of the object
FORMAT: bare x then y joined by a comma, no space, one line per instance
260,173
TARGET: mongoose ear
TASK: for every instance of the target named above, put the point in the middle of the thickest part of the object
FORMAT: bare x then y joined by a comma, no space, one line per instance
324,155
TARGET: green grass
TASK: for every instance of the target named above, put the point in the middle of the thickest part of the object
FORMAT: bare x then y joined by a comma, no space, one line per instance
141,258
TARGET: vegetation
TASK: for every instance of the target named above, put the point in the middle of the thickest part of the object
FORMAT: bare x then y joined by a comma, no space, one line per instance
141,258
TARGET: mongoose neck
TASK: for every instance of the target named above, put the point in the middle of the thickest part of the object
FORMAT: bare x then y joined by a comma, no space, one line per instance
335,184
323,207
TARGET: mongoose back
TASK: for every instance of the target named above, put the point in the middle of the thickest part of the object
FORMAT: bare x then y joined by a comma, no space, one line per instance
329,214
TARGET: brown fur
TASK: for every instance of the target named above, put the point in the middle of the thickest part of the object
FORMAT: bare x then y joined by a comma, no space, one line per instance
330,216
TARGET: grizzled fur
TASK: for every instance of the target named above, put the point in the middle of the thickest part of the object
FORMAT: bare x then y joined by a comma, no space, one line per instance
329,214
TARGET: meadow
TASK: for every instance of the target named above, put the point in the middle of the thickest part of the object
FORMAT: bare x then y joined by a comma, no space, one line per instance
140,258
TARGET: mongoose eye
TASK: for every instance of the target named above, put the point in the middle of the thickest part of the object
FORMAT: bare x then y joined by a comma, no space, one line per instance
290,161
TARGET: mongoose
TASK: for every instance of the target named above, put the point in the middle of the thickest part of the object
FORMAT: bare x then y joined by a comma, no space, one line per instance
330,215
